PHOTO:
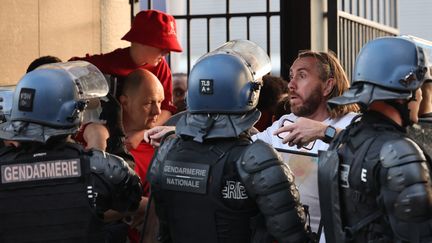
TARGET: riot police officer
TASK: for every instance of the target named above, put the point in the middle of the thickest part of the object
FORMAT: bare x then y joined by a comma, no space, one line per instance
210,182
51,189
374,181
422,131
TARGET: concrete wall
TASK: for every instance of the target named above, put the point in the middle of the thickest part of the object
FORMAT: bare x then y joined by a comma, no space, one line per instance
62,28
19,39
115,24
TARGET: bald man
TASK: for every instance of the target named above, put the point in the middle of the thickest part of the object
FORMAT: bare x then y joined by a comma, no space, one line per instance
140,99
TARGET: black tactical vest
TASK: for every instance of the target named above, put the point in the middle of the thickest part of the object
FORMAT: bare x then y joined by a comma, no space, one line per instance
44,196
199,196
422,134
349,200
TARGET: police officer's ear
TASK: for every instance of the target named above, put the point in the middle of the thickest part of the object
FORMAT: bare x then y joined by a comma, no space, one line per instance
329,85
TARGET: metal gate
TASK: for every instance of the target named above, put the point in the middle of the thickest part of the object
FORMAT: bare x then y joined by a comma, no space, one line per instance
352,23
233,21
283,27
217,21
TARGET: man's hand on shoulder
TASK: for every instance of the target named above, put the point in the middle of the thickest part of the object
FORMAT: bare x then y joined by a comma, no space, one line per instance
155,134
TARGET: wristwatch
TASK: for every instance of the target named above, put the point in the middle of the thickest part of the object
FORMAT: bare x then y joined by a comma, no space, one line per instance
329,134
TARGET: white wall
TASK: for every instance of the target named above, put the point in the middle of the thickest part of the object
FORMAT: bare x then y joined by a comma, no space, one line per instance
415,18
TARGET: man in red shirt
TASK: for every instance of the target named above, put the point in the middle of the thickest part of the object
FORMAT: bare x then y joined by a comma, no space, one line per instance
152,36
140,99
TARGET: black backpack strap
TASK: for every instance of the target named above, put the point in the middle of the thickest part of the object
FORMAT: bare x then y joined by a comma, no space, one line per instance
350,232
225,148
329,184
328,191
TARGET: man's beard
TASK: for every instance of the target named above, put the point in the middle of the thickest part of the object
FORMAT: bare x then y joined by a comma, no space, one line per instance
310,105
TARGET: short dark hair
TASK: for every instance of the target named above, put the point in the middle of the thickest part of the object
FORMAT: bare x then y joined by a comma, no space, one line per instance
282,107
271,91
41,61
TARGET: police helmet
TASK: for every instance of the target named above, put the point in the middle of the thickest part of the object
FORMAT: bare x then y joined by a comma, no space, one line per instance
388,68
227,80
47,97
53,97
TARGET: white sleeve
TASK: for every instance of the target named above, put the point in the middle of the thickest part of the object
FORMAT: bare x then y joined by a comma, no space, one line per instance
267,135
264,136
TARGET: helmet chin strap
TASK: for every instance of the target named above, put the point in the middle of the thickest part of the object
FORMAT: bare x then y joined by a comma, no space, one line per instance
403,110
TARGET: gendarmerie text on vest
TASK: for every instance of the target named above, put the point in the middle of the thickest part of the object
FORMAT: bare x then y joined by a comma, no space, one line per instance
40,171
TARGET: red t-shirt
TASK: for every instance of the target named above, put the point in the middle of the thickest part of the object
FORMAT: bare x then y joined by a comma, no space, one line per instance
142,154
120,63
79,136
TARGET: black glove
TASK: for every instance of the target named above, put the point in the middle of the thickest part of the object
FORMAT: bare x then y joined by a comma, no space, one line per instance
112,114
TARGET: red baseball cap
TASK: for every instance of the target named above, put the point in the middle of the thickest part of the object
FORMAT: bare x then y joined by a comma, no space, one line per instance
154,28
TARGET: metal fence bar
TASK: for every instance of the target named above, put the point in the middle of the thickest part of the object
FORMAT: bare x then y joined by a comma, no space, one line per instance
333,24
385,21
188,36
351,23
227,20
391,9
354,33
268,26
350,27
358,8
365,5
248,27
227,16
208,34
385,28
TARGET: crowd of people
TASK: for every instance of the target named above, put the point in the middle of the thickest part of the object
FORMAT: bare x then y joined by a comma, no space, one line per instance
115,148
